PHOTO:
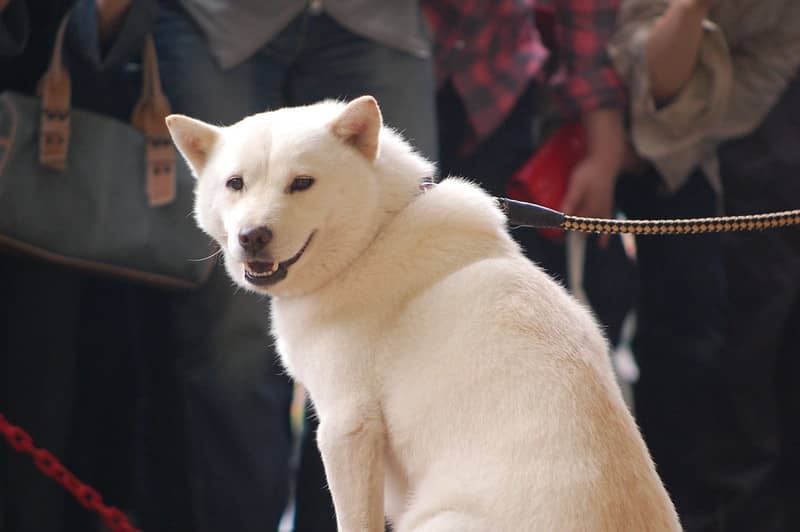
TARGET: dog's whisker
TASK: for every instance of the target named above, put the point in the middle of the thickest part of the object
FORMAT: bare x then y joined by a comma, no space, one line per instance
216,253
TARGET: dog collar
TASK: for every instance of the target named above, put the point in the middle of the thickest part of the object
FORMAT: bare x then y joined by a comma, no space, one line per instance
426,184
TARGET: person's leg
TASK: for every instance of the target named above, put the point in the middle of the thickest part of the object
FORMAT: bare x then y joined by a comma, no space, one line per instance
680,330
760,355
335,63
38,323
788,372
196,85
237,401
237,398
763,291
163,495
101,450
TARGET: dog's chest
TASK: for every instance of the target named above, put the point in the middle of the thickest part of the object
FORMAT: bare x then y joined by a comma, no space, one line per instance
328,354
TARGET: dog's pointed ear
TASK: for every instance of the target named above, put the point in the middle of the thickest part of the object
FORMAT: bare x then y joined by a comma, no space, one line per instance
359,125
194,140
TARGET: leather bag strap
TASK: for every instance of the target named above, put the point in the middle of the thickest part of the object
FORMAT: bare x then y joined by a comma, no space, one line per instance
148,117
55,92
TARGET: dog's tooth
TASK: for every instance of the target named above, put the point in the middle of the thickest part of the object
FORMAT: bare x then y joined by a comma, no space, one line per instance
262,269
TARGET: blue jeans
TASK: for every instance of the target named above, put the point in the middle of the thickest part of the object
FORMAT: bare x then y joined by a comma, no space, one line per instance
237,399
314,58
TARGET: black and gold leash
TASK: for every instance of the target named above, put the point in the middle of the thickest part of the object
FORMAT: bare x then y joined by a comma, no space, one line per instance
525,214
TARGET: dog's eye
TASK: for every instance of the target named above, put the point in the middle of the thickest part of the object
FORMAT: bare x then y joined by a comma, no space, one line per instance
301,183
235,183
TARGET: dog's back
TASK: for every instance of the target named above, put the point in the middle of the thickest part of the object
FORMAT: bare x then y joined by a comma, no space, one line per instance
496,389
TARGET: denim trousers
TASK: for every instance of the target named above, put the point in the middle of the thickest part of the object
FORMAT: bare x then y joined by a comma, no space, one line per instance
236,396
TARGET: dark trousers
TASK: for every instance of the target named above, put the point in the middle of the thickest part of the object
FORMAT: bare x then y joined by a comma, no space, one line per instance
85,369
718,343
680,330
761,457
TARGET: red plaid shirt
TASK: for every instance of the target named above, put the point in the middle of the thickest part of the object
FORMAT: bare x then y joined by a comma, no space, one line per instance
491,50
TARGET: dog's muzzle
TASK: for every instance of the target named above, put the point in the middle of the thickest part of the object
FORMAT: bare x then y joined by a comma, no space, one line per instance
264,273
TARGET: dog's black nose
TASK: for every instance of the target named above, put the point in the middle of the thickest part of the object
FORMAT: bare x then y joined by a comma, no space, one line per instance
253,240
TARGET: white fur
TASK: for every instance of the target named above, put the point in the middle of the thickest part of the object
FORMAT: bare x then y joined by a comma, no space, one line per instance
458,387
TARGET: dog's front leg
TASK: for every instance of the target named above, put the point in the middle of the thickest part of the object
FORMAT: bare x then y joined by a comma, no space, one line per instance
352,452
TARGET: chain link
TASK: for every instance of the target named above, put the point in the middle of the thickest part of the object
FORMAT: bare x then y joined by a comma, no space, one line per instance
683,226
50,466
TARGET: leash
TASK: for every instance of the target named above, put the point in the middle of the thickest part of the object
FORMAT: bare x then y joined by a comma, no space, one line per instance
21,441
521,213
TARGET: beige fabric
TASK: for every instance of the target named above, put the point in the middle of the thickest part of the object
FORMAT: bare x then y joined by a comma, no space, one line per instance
750,51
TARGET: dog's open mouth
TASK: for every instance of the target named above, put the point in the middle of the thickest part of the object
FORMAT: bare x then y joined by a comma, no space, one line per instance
263,273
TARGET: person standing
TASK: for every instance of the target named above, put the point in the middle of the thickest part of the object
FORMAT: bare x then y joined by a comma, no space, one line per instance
508,71
712,112
219,62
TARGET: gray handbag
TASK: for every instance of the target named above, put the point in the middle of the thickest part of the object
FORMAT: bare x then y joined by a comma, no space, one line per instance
89,191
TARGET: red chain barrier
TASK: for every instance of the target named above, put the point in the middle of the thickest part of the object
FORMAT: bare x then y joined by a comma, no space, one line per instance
50,466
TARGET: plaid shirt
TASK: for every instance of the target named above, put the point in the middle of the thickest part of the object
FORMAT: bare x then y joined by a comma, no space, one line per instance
491,50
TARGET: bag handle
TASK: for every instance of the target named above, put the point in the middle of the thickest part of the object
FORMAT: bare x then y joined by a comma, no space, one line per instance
55,91
148,117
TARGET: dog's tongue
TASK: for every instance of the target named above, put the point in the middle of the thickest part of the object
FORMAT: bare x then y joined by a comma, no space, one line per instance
259,266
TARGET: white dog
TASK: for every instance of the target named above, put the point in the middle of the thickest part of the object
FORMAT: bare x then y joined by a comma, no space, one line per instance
458,387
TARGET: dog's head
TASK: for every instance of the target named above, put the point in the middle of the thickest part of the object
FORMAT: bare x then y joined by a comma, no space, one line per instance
294,195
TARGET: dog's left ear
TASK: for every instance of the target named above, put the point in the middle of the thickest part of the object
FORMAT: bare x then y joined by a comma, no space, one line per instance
359,125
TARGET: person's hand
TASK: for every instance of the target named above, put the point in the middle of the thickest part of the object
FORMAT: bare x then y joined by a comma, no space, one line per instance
590,191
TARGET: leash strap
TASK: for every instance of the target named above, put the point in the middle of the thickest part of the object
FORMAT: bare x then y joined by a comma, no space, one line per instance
525,214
